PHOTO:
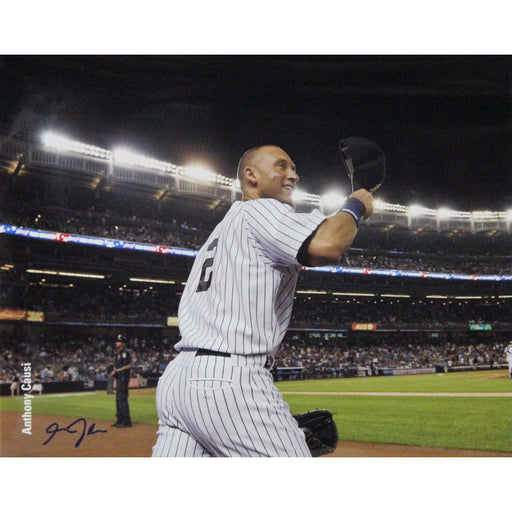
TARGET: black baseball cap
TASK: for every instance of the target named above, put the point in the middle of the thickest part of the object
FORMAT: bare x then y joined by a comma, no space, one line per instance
121,338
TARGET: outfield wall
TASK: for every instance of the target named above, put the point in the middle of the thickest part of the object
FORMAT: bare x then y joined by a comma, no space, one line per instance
280,374
80,385
283,373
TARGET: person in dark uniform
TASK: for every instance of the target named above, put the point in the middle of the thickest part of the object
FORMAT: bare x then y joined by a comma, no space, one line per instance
110,379
121,372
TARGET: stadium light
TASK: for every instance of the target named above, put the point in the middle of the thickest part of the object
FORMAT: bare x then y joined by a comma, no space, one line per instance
333,199
61,273
354,294
224,180
299,195
126,156
129,157
379,205
487,215
199,173
147,280
61,143
415,210
445,213
397,208
56,141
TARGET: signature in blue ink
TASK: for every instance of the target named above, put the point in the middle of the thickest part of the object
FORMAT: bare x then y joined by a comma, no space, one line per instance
78,426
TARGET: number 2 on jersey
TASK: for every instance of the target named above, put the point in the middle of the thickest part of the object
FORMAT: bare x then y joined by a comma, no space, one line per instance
204,283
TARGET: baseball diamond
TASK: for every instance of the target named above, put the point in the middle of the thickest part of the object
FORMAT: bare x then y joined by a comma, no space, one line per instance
369,414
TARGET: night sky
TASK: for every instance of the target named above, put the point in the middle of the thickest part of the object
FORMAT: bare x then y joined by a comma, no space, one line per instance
444,122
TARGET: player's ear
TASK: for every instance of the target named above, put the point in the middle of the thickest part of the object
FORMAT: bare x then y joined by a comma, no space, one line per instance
250,176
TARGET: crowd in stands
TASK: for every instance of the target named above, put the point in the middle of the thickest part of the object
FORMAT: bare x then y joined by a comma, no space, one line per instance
424,262
65,357
61,358
175,232
105,224
146,304
395,312
331,357
70,358
100,303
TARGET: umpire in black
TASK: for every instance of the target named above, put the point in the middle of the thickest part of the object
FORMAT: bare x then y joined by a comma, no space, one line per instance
121,372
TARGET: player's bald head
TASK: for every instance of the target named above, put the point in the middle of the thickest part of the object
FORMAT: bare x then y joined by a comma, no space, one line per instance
246,160
267,172
249,158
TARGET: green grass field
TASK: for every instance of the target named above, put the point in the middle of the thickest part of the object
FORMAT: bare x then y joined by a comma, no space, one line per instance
464,422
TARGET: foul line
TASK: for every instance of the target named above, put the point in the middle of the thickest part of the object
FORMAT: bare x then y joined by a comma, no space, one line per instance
385,393
64,395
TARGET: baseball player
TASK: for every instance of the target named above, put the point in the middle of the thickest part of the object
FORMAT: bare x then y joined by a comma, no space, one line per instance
217,397
15,385
508,355
121,372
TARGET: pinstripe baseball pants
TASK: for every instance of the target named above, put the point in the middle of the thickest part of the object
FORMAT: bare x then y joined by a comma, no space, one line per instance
212,406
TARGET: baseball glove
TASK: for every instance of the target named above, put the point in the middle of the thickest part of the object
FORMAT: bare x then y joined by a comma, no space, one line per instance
320,429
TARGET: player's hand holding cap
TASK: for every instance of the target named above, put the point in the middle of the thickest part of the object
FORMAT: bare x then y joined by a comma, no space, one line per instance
365,163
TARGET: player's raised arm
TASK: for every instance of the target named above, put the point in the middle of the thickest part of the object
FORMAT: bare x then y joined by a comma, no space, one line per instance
337,232
365,164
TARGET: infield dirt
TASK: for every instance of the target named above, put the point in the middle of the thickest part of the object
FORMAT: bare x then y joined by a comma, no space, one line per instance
138,441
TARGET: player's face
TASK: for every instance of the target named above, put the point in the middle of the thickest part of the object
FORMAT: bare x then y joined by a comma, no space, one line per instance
276,174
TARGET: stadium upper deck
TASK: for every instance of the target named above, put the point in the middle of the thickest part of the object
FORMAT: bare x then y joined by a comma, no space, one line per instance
189,188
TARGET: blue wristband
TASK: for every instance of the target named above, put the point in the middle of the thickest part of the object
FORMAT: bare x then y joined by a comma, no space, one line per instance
355,208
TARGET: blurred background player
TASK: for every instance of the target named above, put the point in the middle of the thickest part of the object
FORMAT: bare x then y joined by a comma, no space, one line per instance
508,354
121,372
15,385
37,387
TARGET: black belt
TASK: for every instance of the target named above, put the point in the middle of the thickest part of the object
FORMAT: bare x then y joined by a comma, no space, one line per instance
206,352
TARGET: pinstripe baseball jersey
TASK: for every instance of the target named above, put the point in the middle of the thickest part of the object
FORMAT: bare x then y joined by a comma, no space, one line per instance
223,407
239,295
237,304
